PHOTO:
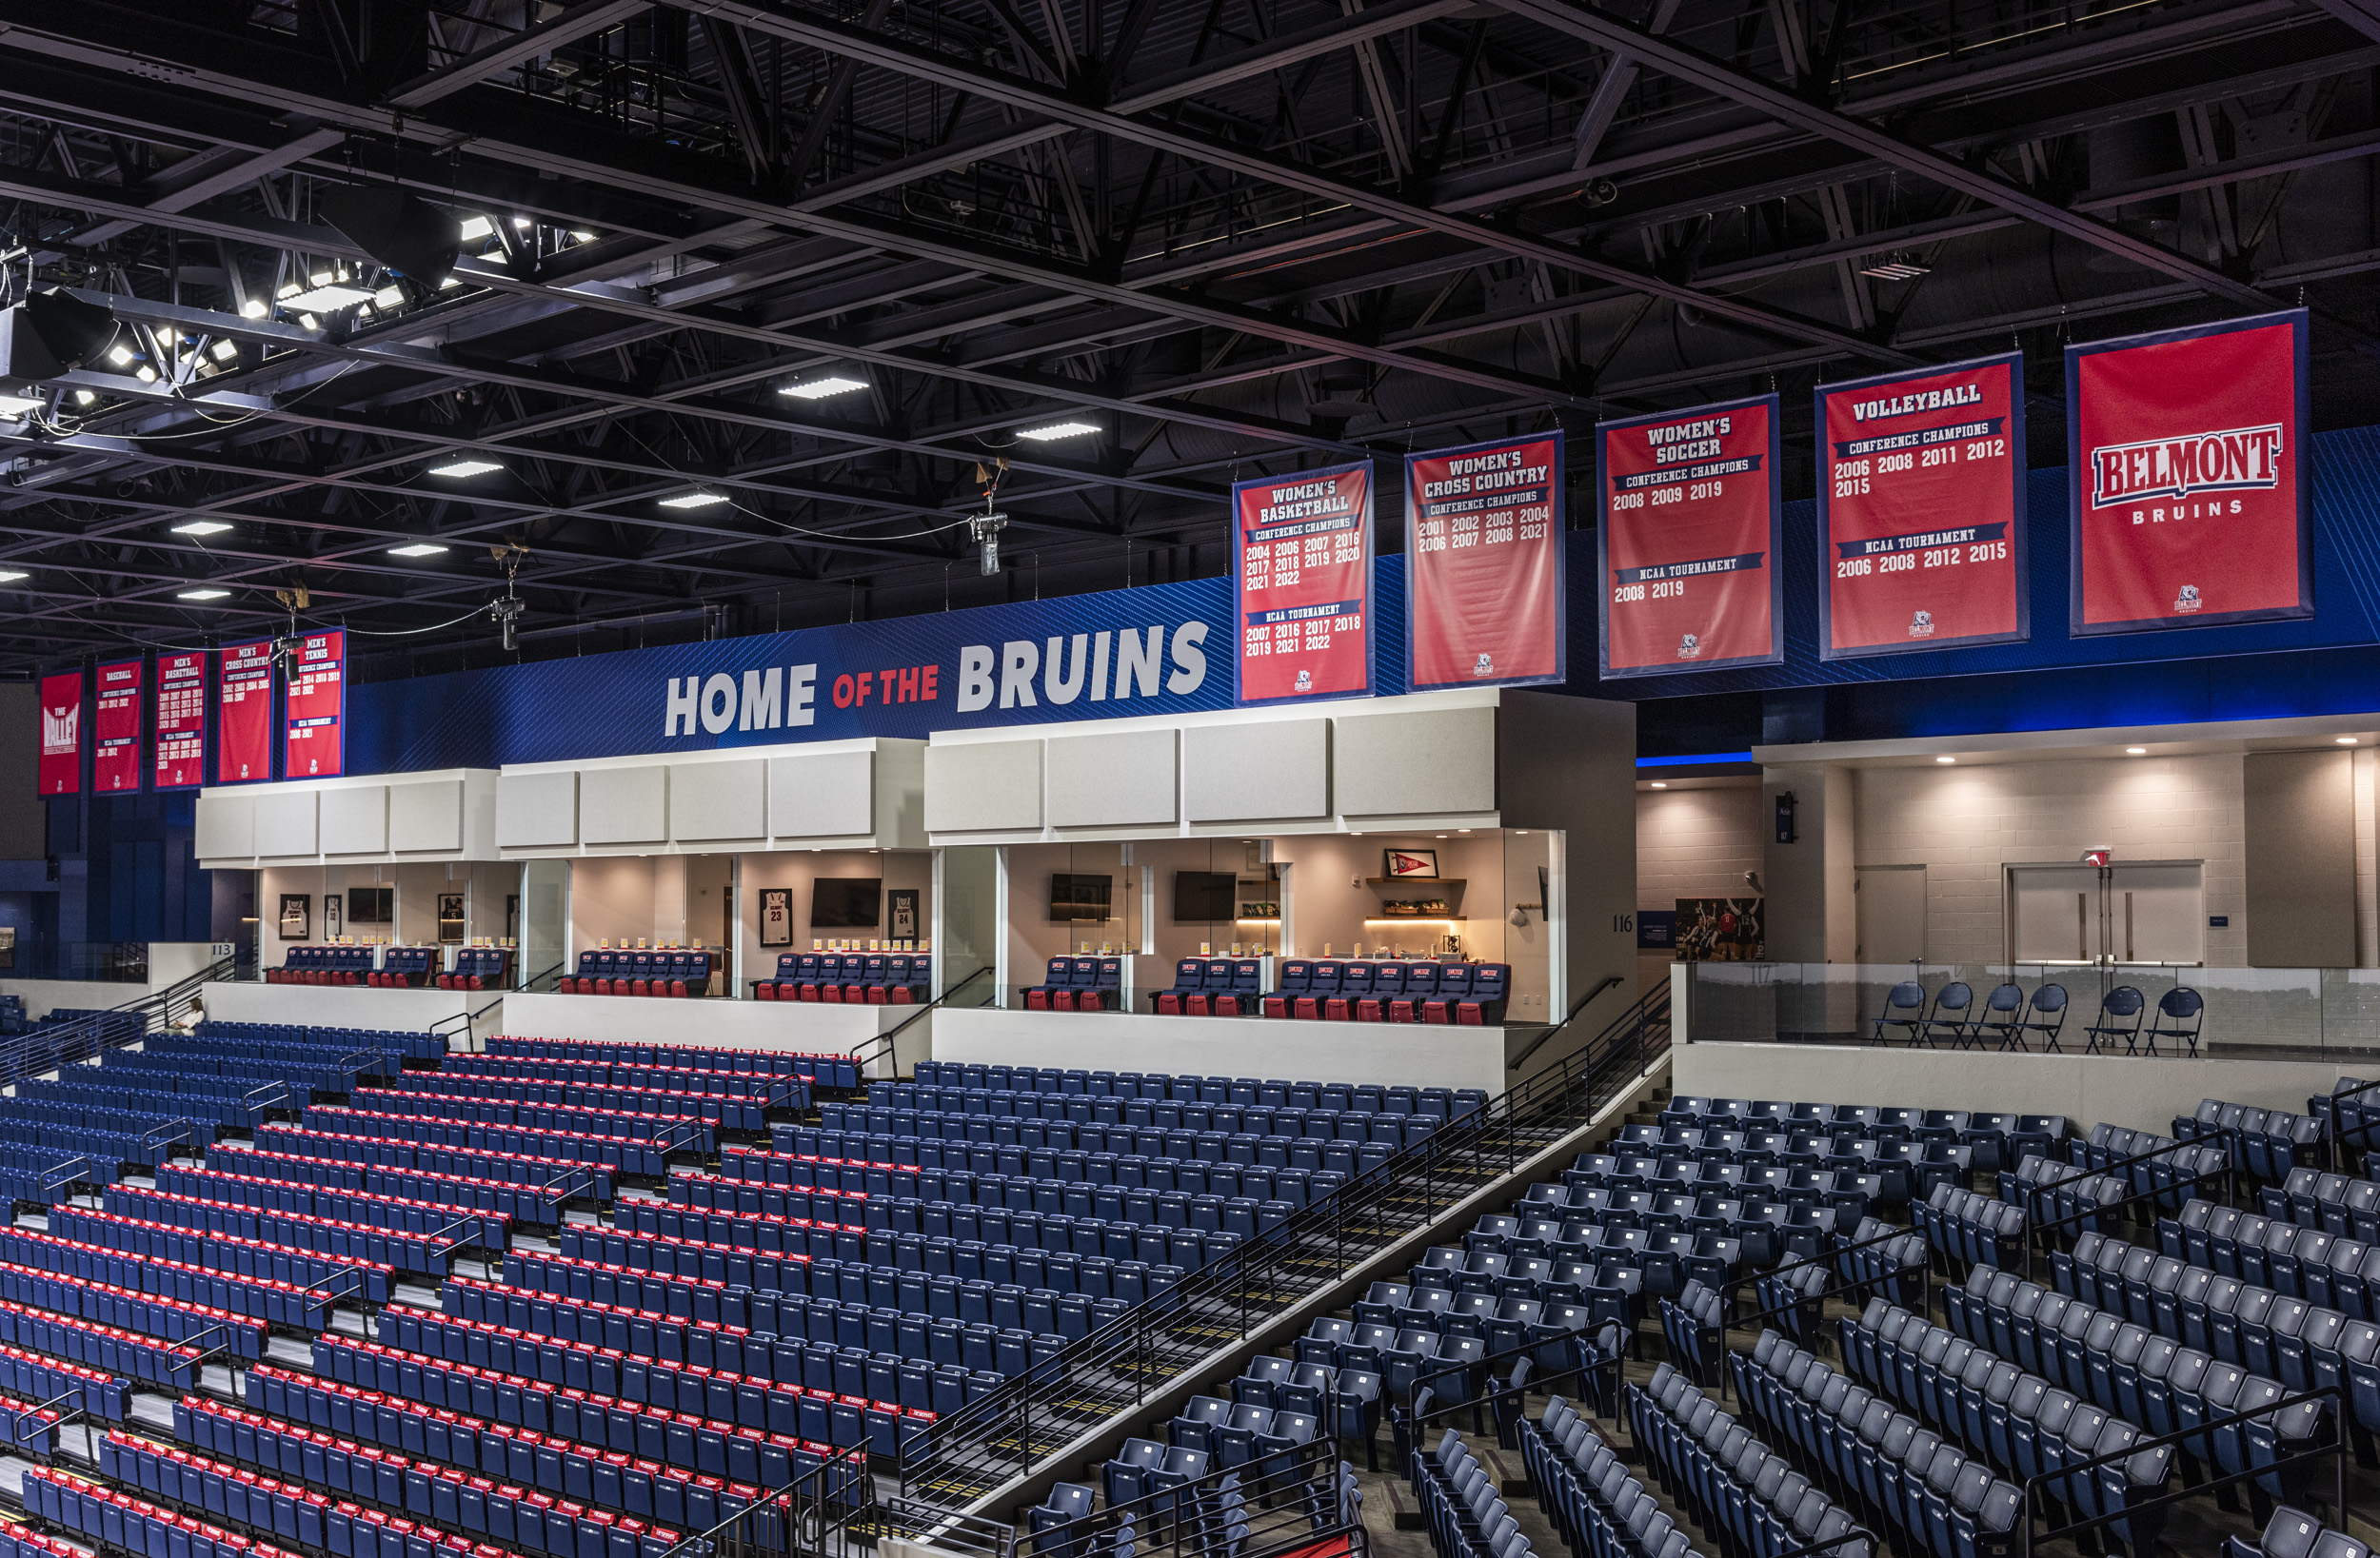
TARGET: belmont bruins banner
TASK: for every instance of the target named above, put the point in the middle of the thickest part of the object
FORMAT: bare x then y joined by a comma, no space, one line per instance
1692,523
2191,487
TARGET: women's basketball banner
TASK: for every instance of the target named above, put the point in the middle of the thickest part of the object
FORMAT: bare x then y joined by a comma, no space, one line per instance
244,722
116,727
2193,489
181,721
1692,523
317,709
1483,564
61,772
1303,572
1921,502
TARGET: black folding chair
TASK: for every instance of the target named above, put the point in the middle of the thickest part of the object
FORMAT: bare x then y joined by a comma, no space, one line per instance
2117,1004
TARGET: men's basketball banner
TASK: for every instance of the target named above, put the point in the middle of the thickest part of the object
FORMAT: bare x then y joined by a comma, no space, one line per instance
181,721
61,772
1301,569
1483,564
1921,508
116,718
1692,522
244,720
317,711
2192,491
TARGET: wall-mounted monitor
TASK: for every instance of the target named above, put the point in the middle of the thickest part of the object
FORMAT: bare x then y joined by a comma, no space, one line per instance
846,903
1076,896
1207,895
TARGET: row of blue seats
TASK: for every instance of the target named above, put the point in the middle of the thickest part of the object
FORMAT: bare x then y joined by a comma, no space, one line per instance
49,1382
1770,1228
156,1132
228,1253
406,968
337,1243
115,1522
688,1134
835,1070
2267,1143
165,1099
302,1068
480,968
1468,1519
2311,1263
33,1158
2317,1198
1710,1463
1978,1230
2068,1197
607,972
323,965
718,1110
1227,1113
403,1044
824,1208
168,1319
1908,1167
113,1148
785,1092
619,1153
809,1156
265,1300
1610,1516
1157,1087
1354,1126
1972,1127
850,978
109,1349
447,1162
1391,990
1078,984
481,1227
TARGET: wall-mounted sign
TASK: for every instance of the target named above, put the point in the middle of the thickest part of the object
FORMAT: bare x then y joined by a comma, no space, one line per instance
1301,561
181,721
1921,509
2192,479
61,772
244,720
116,718
1483,564
317,712
1692,524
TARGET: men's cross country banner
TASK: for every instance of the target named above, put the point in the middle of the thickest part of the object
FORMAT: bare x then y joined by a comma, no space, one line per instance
181,721
1921,503
1483,564
61,772
244,720
1301,569
2193,489
1692,523
317,723
117,716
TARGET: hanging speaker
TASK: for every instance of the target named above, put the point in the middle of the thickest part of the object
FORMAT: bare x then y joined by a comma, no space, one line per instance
400,231
50,333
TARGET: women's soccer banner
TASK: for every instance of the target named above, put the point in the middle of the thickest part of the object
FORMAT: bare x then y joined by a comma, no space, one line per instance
2193,490
1692,523
1483,564
1921,502
1303,567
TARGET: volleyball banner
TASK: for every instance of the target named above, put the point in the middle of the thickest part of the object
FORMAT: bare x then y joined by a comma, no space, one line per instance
1921,505
1301,569
2191,477
1692,524
1483,564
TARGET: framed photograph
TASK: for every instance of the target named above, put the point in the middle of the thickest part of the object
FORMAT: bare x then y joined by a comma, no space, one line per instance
331,927
903,902
1409,862
297,916
1718,931
776,917
450,918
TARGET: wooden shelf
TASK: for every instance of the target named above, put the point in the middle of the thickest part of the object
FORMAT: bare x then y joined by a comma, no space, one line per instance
1415,881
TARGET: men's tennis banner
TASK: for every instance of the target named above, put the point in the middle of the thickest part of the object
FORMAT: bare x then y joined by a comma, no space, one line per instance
1692,523
181,721
244,728
1301,569
2192,491
317,711
1921,505
1483,564
116,721
61,770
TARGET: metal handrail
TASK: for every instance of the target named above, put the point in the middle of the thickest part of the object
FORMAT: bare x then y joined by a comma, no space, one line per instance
893,1032
1730,1320
16,1430
197,1361
812,1483
2035,1228
1609,981
331,1300
87,1036
1150,1508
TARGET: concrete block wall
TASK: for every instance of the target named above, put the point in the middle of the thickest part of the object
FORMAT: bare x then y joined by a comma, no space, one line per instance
1692,843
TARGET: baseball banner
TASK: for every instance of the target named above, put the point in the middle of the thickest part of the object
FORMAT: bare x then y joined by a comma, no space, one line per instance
181,721
1921,505
243,717
317,711
1692,523
61,770
2192,483
116,720
1483,564
1301,569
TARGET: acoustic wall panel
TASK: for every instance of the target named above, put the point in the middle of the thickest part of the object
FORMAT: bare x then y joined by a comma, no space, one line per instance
1408,764
623,805
227,827
424,817
355,820
537,811
718,800
983,787
2299,810
822,795
1276,771
1126,779
286,823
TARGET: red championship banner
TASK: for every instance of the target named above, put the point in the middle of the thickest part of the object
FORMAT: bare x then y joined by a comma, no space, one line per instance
243,722
1483,564
1303,562
2193,489
1692,523
1921,505
62,734
317,713
181,721
115,727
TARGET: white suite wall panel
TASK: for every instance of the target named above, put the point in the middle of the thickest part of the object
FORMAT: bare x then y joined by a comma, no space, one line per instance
355,820
1265,771
983,787
623,805
1410,764
718,800
227,827
428,816
1124,779
286,823
822,795
537,811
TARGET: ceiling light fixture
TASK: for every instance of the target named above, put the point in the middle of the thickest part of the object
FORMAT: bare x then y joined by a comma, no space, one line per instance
477,228
329,294
2347,740
201,527
694,500
9,576
1894,267
145,374
17,405
1056,430
419,549
120,356
1660,785
818,389
2136,752
254,308
84,397
202,595
223,352
469,465
1946,759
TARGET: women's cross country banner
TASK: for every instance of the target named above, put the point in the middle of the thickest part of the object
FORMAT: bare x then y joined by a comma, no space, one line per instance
61,772
2192,484
1691,525
1483,564
1301,569
116,721
1921,503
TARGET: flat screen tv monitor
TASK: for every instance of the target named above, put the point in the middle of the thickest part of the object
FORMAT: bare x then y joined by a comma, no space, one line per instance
1207,895
846,903
1076,896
